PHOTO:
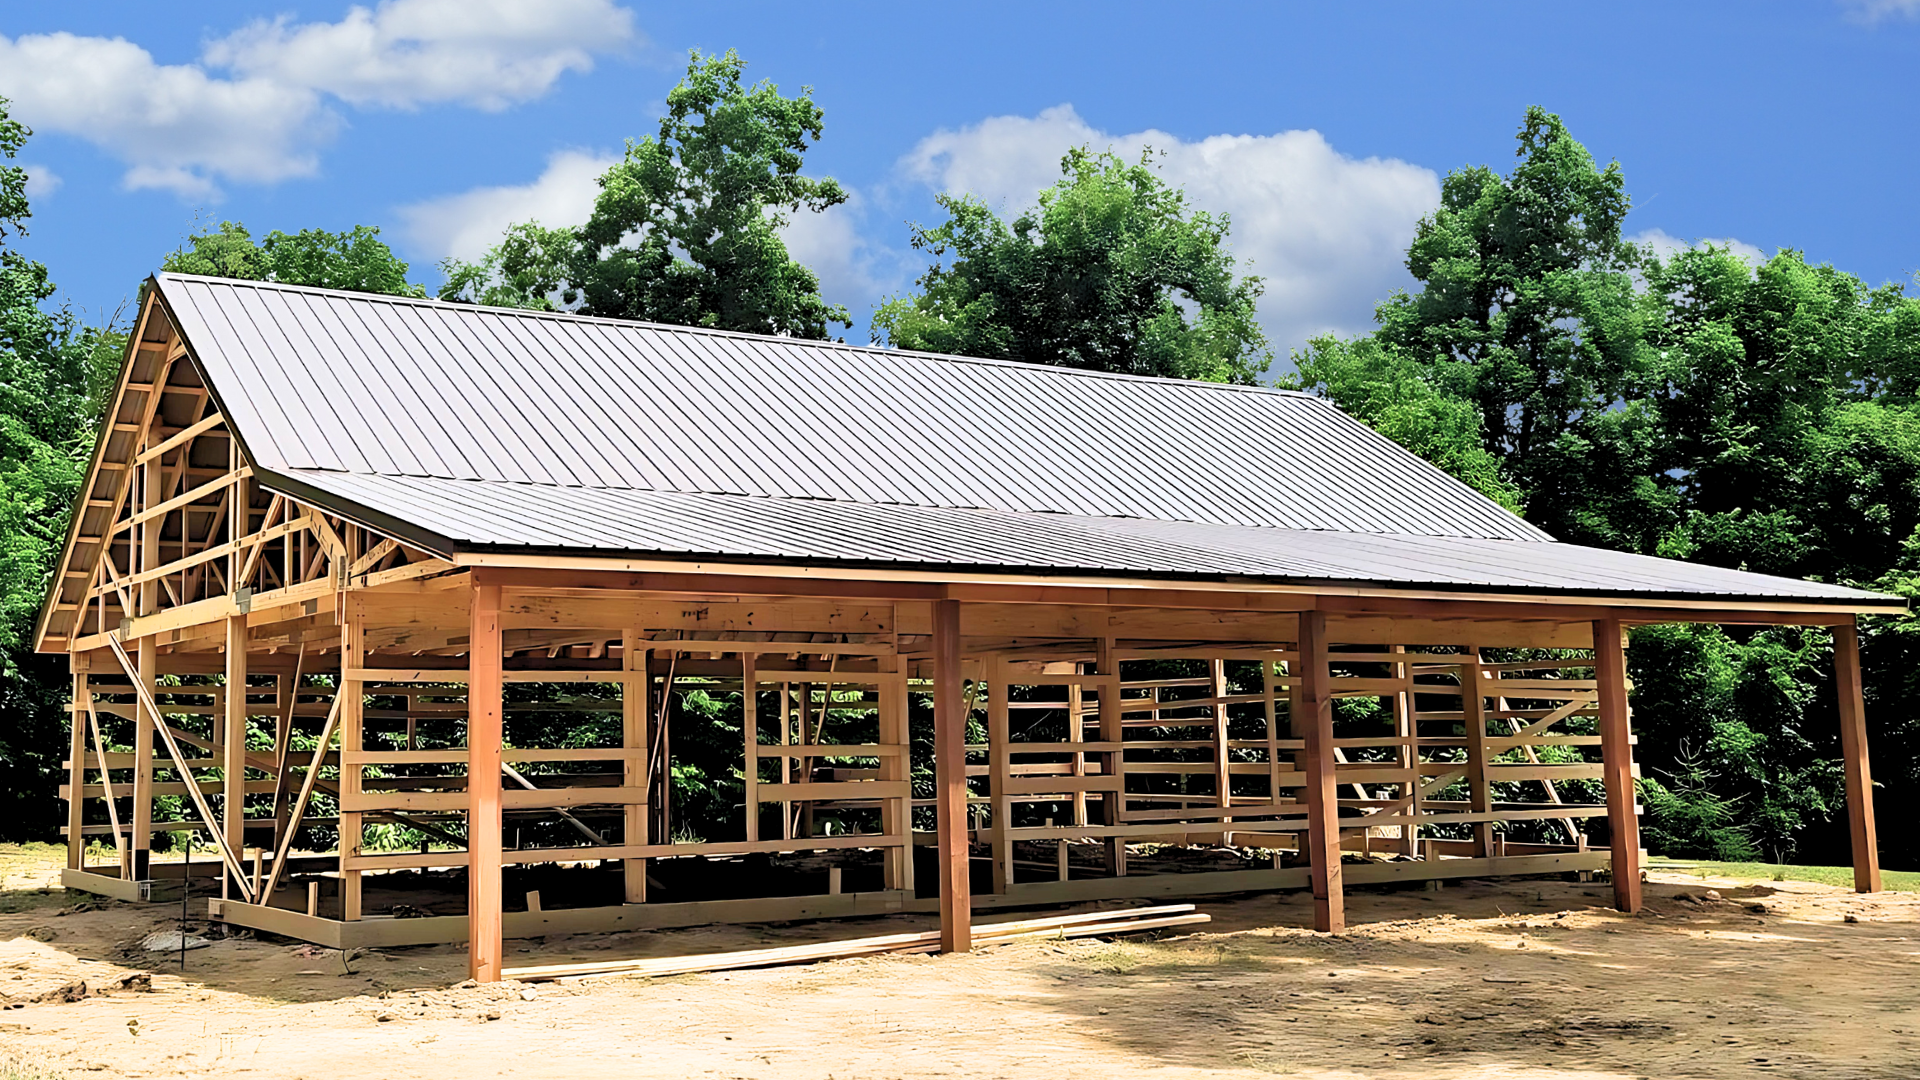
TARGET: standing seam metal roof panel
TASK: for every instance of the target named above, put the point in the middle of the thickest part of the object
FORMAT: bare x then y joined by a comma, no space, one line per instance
325,380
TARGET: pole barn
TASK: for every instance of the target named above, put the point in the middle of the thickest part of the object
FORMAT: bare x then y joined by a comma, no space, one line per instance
998,635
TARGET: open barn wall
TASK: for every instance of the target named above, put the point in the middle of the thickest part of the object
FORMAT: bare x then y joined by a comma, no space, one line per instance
1126,757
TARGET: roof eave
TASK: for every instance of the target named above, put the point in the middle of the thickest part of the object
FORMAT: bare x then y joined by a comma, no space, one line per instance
474,555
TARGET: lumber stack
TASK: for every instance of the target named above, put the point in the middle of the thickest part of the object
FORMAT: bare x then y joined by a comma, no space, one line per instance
1086,924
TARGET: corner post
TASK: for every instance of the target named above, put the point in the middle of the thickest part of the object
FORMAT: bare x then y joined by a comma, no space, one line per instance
485,730
1616,751
950,781
1853,748
233,761
77,766
1314,718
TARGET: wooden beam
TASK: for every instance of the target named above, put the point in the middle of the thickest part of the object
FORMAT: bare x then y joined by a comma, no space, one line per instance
207,423
227,854
670,575
485,730
233,760
140,843
1314,717
950,781
634,769
1853,749
352,694
1610,673
77,757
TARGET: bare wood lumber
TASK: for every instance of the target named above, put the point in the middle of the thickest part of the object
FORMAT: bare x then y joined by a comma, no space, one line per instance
77,770
750,732
299,808
1474,727
999,772
634,770
950,781
1314,715
233,759
1853,750
227,853
352,734
106,785
1610,672
485,730
1083,925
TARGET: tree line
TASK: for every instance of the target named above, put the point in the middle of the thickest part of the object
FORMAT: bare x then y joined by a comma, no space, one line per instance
1696,406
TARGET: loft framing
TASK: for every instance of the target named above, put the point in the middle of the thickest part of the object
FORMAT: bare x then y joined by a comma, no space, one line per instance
337,556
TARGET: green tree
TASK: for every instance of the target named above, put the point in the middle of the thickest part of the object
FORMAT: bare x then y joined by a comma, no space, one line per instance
1528,309
1398,398
1703,407
686,228
53,374
1111,271
356,260
1785,397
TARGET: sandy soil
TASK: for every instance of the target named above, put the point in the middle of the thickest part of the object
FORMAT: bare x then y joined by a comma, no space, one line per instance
1496,980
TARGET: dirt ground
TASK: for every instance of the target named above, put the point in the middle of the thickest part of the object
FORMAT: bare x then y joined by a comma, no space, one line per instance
1517,979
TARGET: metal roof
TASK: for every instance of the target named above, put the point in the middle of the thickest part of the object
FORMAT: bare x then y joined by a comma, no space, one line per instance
477,515
317,379
464,428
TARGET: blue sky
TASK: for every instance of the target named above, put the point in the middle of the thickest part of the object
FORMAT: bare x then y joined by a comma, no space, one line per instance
1323,129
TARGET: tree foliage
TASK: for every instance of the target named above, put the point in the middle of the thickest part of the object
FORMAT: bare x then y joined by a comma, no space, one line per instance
686,228
1111,271
1763,416
356,260
53,373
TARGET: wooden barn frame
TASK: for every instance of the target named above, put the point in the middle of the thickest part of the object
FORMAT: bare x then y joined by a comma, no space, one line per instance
246,641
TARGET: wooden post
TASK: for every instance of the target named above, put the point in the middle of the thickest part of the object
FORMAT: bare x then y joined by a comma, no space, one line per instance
1610,674
77,772
485,730
140,843
634,769
1222,764
1473,712
896,815
233,762
1111,733
352,740
1853,748
999,771
1313,707
750,733
1408,729
950,781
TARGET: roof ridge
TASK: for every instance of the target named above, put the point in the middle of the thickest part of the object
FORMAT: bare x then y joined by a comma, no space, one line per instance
601,320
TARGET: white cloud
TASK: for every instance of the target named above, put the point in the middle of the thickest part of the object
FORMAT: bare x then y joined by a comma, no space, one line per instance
1664,245
42,181
1874,11
852,270
174,125
405,53
1328,232
181,129
465,225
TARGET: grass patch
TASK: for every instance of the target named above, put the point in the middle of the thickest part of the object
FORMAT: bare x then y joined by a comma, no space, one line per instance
1894,880
12,1068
